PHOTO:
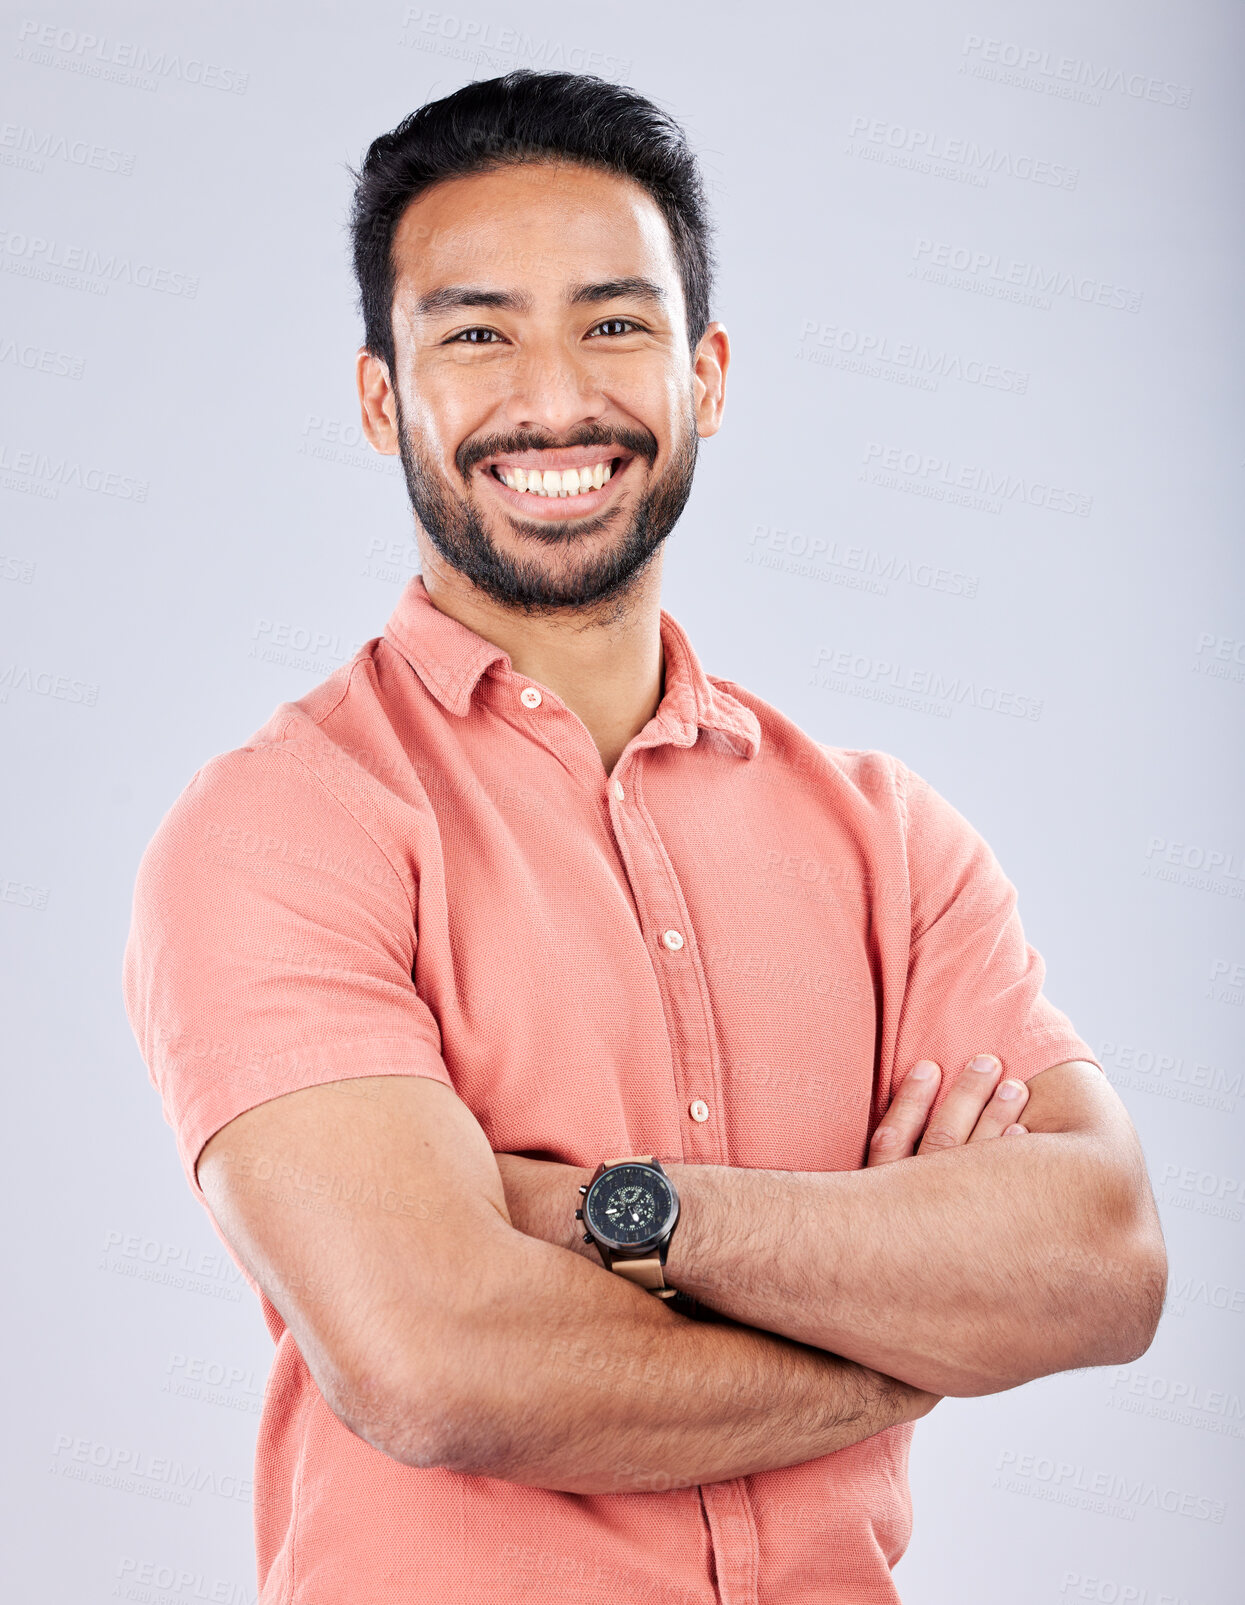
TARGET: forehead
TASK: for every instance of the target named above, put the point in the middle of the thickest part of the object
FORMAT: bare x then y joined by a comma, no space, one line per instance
535,227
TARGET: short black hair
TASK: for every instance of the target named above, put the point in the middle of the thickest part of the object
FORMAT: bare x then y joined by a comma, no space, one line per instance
527,116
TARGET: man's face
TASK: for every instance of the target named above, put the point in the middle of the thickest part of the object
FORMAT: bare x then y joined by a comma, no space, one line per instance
546,406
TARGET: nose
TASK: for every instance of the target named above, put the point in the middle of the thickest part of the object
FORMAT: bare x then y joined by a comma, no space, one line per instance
553,389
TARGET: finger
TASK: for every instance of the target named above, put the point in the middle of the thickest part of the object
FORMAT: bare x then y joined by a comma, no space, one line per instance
1002,1111
954,1122
904,1121
1016,1131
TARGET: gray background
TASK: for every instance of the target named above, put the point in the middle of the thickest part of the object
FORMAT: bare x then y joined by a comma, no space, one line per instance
986,246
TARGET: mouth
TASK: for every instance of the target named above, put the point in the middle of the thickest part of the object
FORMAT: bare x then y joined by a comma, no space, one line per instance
572,483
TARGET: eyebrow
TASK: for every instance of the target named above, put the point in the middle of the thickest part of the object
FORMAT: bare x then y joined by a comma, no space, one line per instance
617,290
467,295
453,296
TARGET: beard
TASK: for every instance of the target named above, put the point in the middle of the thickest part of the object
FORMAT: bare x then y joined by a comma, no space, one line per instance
453,525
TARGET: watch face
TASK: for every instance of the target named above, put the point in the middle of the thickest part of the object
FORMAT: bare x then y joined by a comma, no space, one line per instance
630,1205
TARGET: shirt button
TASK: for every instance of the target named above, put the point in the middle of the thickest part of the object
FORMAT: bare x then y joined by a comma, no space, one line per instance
618,790
699,1110
673,940
530,697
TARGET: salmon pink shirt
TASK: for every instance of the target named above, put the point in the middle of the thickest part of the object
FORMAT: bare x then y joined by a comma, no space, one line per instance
729,951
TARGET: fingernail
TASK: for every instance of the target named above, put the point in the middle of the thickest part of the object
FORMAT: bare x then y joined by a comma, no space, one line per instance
924,1070
1008,1090
1016,1131
983,1062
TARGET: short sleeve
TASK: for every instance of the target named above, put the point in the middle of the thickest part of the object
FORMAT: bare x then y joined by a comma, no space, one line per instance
271,948
974,984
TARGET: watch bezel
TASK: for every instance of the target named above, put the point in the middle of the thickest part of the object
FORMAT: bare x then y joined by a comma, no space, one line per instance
656,1238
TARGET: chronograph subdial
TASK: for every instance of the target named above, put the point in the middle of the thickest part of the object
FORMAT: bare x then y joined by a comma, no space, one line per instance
631,1208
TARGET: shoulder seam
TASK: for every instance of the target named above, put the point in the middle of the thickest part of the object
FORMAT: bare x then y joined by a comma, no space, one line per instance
318,721
290,752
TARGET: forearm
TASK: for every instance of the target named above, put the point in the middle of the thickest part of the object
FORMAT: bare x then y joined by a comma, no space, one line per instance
963,1272
564,1376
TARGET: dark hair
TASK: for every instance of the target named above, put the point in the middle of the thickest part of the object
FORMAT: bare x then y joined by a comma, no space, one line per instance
526,116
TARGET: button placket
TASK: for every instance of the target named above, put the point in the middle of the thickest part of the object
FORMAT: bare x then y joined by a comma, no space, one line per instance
684,995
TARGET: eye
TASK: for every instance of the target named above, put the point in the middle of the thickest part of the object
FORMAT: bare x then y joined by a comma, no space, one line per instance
615,326
474,337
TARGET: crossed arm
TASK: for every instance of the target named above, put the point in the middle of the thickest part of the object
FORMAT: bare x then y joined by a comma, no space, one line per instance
460,1332
956,1264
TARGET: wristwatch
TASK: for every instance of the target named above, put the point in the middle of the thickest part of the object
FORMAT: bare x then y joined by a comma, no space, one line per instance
631,1209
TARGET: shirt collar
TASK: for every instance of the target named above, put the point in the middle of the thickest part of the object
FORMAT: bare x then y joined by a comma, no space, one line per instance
450,658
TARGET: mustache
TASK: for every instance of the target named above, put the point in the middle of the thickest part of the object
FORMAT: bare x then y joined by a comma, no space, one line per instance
637,440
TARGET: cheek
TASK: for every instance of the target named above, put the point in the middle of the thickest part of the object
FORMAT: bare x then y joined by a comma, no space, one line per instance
438,420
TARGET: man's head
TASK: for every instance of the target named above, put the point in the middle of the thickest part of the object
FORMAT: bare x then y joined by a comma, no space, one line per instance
534,269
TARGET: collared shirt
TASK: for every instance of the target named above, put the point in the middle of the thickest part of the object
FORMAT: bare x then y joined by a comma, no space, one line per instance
729,951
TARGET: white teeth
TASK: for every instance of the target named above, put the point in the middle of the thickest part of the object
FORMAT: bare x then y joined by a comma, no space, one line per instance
555,481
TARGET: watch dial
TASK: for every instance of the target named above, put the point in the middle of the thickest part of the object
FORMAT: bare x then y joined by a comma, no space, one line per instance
630,1205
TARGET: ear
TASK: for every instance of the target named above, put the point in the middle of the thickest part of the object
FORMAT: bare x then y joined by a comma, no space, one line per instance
377,402
709,364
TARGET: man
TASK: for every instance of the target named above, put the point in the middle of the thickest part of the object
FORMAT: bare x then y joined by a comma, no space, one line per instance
646,938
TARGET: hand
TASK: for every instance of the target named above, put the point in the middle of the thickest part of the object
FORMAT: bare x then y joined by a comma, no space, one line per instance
980,1105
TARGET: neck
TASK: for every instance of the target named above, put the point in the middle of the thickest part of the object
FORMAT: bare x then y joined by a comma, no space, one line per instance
605,662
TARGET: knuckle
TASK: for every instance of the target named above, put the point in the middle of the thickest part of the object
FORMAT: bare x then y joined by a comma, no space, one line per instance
940,1137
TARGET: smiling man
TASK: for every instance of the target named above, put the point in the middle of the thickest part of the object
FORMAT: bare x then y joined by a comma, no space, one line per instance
755,1136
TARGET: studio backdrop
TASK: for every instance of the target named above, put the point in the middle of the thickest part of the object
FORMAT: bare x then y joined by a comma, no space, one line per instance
976,502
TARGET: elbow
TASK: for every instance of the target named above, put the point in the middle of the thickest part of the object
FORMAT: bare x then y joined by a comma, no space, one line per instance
411,1422
1103,1311
431,1422
1132,1315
